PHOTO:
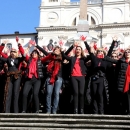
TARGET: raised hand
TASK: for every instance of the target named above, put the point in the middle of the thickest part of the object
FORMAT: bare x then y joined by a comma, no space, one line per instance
115,38
17,39
5,41
91,45
62,49
75,44
95,45
83,38
61,43
32,42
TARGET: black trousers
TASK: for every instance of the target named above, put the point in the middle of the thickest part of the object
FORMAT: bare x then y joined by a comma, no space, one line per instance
128,102
78,85
35,85
121,103
2,86
97,96
14,87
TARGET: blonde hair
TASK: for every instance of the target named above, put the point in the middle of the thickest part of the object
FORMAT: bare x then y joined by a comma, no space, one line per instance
104,52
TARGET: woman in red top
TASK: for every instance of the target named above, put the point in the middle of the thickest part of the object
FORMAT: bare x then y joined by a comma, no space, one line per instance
78,72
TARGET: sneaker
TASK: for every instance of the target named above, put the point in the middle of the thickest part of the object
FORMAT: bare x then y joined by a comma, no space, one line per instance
53,112
48,113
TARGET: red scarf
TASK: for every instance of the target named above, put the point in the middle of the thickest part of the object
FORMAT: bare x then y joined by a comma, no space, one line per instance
33,68
100,56
127,78
53,68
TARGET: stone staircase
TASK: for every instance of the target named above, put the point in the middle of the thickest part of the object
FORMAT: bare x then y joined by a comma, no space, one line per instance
62,122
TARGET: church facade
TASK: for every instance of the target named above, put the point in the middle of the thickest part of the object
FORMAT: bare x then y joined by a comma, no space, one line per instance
106,18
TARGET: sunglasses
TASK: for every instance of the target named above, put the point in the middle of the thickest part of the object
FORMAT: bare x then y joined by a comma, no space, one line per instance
99,51
13,51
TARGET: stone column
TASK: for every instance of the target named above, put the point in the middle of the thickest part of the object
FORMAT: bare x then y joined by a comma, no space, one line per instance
83,9
126,39
83,26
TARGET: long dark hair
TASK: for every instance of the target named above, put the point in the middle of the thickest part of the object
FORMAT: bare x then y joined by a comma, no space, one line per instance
35,51
82,52
58,56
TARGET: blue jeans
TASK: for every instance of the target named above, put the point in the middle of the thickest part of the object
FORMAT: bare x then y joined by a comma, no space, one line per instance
50,88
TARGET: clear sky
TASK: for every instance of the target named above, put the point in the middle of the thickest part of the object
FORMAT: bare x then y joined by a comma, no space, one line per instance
19,15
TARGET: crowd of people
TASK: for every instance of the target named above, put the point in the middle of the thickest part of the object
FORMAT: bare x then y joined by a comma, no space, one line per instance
59,82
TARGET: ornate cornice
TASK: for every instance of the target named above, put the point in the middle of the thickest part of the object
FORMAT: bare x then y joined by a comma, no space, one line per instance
57,28
115,25
74,28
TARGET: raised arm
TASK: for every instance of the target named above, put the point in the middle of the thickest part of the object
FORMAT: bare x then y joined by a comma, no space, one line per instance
107,58
65,56
87,47
2,47
42,50
69,50
48,57
24,56
4,55
112,46
92,56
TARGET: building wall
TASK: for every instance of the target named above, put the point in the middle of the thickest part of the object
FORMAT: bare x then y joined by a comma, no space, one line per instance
112,17
12,39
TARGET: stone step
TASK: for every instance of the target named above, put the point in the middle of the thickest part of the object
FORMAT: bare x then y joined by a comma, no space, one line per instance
69,126
65,116
30,128
62,121
65,121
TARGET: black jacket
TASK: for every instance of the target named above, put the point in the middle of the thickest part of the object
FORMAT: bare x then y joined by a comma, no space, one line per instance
72,60
95,61
1,65
39,68
11,67
64,67
121,67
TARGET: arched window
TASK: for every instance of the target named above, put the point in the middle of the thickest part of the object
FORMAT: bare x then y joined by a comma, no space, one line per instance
90,20
9,45
74,22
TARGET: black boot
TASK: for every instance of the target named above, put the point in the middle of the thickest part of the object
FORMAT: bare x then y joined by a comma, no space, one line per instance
75,111
81,111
